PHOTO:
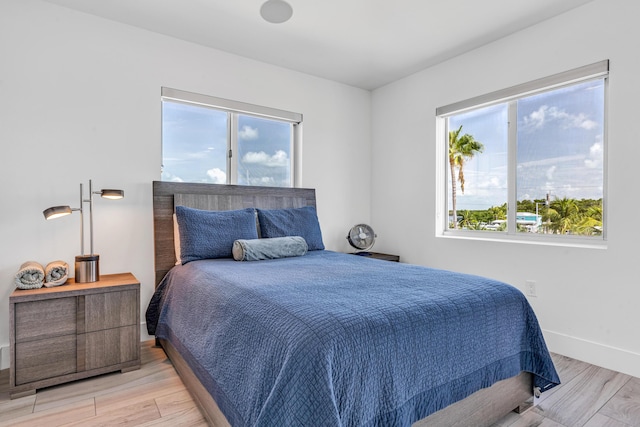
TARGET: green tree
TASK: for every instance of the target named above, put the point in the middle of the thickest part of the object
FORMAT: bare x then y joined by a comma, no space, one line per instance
595,212
579,217
526,206
461,149
468,220
589,222
563,214
498,212
587,226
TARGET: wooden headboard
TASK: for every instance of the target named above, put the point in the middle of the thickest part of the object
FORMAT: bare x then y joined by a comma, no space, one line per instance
216,197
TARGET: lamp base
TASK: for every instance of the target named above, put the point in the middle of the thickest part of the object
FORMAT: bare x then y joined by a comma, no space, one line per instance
87,268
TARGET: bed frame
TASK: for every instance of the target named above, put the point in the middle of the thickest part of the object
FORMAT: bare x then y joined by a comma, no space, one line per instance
482,408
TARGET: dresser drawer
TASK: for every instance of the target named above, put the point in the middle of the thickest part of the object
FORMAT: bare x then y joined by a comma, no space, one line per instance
46,358
45,319
108,347
107,310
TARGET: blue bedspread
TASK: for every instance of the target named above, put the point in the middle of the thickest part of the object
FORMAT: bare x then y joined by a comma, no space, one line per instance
330,339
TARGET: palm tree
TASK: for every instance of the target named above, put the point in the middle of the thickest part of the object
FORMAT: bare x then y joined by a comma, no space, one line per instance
587,226
498,212
563,213
467,220
461,149
589,222
595,212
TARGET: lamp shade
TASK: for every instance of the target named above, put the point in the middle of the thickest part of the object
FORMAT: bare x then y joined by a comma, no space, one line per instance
109,193
56,212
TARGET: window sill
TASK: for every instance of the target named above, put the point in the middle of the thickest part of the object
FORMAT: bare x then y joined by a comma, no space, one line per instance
545,240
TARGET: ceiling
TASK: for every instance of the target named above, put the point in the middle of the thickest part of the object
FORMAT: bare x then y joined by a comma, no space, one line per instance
363,43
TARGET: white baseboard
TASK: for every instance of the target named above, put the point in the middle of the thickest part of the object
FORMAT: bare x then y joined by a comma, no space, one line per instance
616,359
144,336
4,357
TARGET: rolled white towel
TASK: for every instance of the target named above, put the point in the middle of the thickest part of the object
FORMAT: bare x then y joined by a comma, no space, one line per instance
56,273
30,276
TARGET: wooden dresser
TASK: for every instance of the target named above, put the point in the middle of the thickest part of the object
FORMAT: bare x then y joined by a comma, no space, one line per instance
73,331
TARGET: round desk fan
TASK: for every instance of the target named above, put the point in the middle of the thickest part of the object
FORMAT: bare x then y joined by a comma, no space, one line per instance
361,237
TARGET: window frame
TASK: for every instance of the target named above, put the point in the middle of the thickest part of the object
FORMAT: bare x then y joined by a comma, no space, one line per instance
235,109
509,96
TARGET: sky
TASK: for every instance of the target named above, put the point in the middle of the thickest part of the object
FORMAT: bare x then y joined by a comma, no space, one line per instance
194,147
559,147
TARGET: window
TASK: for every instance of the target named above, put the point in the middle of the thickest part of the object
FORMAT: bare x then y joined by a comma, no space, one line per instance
214,140
528,161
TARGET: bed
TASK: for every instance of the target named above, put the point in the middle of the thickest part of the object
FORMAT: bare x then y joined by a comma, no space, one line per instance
334,339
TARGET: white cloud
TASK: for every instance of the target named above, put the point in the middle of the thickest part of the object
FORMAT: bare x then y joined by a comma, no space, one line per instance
279,159
544,114
583,122
537,118
482,184
168,176
217,176
550,161
550,171
247,133
595,156
490,182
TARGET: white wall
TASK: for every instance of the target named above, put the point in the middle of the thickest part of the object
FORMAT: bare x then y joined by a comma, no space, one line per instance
80,100
588,299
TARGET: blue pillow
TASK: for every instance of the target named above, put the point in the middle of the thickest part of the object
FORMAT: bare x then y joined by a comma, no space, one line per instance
210,234
278,247
292,222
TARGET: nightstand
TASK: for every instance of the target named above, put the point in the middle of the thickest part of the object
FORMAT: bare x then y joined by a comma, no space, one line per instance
73,331
378,255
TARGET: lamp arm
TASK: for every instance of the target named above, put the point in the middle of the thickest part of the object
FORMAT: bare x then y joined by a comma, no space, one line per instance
56,211
91,216
81,222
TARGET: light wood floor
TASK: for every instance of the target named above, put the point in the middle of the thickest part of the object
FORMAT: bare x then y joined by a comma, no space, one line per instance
155,396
